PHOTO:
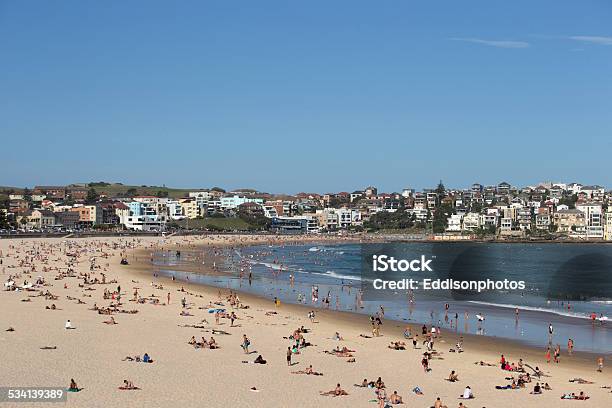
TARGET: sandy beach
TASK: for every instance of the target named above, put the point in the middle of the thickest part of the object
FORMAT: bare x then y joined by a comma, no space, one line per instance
40,351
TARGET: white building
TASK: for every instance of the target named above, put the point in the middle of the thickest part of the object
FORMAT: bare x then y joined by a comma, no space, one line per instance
231,202
593,216
454,223
505,224
270,211
175,210
608,227
471,221
201,197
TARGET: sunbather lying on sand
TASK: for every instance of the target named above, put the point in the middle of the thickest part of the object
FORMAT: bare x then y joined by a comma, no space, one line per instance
339,353
397,345
110,321
336,392
128,385
513,386
581,381
307,371
573,396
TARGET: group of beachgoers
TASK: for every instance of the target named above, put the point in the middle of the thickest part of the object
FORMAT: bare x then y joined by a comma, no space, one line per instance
97,254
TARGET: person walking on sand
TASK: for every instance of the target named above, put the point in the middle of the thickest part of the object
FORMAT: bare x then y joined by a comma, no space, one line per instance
289,356
600,364
168,297
557,353
245,343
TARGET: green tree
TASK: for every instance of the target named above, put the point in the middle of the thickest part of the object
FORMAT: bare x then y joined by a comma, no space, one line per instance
570,201
27,195
399,219
476,207
440,190
131,192
92,196
440,218
4,224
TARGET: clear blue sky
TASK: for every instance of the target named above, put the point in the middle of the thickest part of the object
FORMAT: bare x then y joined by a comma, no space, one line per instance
305,96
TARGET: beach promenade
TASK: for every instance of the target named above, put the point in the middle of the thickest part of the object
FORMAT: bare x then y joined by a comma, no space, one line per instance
120,312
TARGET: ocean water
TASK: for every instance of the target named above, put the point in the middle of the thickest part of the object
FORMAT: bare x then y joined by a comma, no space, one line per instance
565,285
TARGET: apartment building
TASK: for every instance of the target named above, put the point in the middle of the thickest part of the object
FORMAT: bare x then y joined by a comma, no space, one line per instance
543,219
523,218
593,215
571,222
41,219
454,223
232,202
608,225
471,221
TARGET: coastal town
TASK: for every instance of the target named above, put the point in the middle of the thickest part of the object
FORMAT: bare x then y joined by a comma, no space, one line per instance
544,211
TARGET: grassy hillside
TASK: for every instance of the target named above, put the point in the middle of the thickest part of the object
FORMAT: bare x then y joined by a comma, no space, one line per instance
223,224
116,189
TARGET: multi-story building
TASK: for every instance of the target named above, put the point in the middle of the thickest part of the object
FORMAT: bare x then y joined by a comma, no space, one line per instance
18,206
201,197
506,224
67,219
454,223
471,221
295,225
41,219
432,199
593,215
543,219
489,220
503,188
144,216
175,210
87,215
190,208
608,225
232,202
570,222
122,211
594,193
523,218
271,211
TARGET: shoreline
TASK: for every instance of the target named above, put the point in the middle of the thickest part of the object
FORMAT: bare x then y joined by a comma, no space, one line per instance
360,320
368,236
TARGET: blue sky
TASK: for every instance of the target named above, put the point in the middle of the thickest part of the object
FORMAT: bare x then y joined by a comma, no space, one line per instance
305,96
